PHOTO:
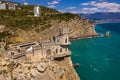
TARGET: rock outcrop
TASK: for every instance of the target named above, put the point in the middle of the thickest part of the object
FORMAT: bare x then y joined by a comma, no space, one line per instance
42,70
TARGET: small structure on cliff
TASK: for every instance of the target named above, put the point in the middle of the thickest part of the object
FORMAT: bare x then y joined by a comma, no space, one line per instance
56,48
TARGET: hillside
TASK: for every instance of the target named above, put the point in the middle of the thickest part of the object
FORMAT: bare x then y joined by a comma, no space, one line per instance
21,26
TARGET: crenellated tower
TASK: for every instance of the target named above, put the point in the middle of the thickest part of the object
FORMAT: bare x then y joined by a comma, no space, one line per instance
64,38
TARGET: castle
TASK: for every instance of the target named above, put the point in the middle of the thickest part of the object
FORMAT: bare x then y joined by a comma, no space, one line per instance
56,48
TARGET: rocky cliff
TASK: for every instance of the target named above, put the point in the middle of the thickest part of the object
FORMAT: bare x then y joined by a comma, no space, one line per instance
43,70
21,26
78,28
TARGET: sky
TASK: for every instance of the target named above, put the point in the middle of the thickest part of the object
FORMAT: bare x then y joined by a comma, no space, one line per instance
78,6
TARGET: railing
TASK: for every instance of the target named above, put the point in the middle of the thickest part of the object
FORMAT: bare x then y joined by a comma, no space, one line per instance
26,44
18,55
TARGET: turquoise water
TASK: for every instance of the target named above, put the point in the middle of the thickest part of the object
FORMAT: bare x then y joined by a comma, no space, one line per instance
98,58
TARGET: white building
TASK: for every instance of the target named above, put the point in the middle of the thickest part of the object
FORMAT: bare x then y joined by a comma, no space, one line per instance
12,6
2,6
36,11
25,3
9,5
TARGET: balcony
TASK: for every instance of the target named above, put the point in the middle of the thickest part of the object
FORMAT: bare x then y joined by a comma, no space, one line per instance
68,43
68,53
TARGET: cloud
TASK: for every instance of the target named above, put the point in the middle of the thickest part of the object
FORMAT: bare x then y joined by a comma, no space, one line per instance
51,6
106,5
74,12
23,0
88,3
109,7
70,8
90,10
54,2
85,4
62,11
93,2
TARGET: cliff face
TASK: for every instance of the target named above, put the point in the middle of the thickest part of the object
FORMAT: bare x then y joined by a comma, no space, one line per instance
42,70
47,69
21,27
78,28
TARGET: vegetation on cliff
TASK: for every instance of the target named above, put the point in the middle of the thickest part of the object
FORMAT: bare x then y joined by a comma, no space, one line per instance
23,21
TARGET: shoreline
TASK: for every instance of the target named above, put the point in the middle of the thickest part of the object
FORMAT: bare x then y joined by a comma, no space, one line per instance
87,37
104,22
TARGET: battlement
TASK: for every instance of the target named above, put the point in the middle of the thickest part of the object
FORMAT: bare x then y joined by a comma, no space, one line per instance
63,38
64,31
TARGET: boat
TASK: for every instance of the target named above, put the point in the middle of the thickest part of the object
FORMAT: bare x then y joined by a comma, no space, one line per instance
75,64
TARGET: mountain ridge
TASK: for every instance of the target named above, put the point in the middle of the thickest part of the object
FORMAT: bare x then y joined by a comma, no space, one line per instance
106,16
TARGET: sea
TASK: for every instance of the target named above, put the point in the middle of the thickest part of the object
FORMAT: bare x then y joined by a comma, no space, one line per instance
98,58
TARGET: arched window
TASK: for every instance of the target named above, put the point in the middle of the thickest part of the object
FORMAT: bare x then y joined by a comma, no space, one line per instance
48,52
66,40
61,50
56,50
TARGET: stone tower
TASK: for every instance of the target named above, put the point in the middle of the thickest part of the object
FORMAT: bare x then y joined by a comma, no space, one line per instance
64,36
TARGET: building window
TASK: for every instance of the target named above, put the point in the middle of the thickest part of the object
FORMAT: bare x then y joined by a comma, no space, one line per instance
56,50
61,50
48,52
58,40
66,40
12,53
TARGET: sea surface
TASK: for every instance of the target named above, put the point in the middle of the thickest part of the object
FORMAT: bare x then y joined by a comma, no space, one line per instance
98,58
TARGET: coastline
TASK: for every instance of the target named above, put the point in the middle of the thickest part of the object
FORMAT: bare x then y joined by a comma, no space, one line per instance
96,23
86,37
